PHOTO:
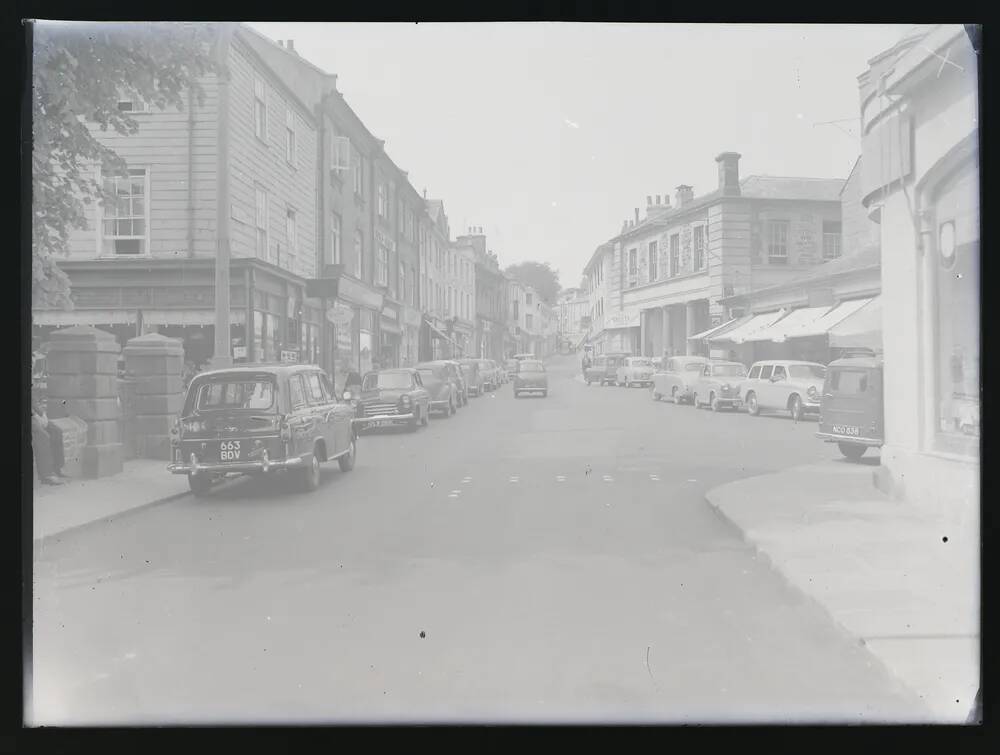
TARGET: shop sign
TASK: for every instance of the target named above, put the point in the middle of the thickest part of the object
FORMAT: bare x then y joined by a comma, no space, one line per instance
340,314
622,320
239,352
288,355
357,293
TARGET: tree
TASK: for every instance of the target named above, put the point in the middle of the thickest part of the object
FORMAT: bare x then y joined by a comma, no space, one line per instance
80,72
540,276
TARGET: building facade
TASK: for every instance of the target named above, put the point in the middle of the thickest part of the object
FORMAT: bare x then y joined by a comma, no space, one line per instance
439,338
572,313
490,297
611,330
920,145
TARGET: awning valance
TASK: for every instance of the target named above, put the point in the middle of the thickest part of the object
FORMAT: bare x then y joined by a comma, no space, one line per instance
748,328
863,327
714,329
60,318
189,317
797,319
822,325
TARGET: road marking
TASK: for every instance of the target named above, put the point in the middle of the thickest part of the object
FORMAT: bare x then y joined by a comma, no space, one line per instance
692,481
654,477
514,479
466,480
560,478
453,495
456,492
608,478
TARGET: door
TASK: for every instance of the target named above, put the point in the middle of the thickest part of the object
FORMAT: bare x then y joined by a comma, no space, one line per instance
776,390
762,383
752,378
300,419
321,412
852,402
343,416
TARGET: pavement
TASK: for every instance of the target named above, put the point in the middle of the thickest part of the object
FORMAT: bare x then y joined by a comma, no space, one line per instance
533,559
904,583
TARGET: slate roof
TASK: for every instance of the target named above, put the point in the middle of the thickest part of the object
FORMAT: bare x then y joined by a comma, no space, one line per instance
778,187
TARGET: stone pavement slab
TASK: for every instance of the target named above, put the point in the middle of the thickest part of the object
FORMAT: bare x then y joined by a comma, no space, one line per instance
885,571
142,482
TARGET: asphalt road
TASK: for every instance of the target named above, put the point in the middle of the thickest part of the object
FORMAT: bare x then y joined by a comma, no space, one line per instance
556,553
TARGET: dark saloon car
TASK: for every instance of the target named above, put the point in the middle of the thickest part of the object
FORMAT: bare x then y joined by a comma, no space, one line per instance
440,385
530,378
259,419
472,375
851,413
454,371
391,398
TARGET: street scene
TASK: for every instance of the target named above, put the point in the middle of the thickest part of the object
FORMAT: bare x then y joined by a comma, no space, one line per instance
311,445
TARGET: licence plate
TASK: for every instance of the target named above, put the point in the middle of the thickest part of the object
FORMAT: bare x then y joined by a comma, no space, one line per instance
229,450
847,430
380,423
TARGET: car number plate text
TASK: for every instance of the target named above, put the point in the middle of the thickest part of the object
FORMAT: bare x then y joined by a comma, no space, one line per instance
847,430
229,450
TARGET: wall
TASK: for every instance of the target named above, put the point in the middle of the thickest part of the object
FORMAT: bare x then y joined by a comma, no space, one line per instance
253,162
857,229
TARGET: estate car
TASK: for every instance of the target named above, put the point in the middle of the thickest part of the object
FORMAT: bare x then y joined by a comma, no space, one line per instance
635,371
784,385
604,369
259,419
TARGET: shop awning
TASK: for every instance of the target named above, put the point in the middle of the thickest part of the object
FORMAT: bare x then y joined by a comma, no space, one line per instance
705,334
863,327
795,320
60,318
388,326
823,325
189,317
442,336
748,328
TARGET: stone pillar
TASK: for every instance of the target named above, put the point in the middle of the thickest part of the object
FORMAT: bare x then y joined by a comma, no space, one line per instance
668,331
691,325
83,382
156,364
643,331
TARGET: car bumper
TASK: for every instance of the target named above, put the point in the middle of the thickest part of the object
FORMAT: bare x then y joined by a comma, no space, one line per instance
531,388
735,403
264,464
382,420
834,438
441,405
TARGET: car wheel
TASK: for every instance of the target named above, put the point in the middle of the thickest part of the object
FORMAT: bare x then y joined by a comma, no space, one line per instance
425,418
310,475
852,451
657,396
517,394
694,401
753,408
713,401
200,484
451,408
347,460
674,395
796,408
588,383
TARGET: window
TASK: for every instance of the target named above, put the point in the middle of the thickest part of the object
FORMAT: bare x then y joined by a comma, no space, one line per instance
296,391
335,239
259,108
291,231
389,380
633,264
777,241
382,266
729,370
383,201
316,393
260,221
755,372
675,254
132,104
779,373
340,155
831,240
527,299
527,321
849,381
359,174
765,371
698,241
125,219
231,394
290,136
652,261
359,255
402,281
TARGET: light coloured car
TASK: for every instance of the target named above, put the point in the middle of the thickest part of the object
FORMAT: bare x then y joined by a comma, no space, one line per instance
719,385
530,378
677,379
635,371
779,385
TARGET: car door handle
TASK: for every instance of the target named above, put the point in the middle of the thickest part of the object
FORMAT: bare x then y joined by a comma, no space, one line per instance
827,395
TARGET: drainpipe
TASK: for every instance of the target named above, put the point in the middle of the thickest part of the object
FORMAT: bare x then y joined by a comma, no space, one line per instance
222,356
190,174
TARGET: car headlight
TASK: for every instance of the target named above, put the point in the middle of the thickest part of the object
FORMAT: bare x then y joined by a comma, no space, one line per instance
405,400
193,426
725,387
812,393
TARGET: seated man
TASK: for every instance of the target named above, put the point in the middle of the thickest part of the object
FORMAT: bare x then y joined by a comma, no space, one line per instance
47,446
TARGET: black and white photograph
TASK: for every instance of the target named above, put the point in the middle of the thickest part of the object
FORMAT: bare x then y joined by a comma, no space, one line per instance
502,372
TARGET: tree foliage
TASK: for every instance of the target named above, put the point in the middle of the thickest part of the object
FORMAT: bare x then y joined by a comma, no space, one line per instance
80,72
540,276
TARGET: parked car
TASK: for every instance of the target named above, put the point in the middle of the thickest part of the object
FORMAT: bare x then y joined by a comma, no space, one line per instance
390,398
260,419
784,385
677,379
491,379
510,367
457,377
441,386
851,412
635,371
472,375
530,378
719,385
604,369
501,372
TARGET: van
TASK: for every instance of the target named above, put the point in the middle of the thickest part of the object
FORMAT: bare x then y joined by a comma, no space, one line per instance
851,407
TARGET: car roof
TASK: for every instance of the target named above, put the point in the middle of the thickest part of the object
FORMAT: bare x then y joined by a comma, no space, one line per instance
786,362
857,362
278,368
724,363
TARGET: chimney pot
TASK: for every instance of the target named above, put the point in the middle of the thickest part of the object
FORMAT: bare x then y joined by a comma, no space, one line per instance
636,214
291,44
729,173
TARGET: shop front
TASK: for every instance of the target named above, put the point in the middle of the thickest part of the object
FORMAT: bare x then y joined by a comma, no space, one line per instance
390,336
411,336
357,342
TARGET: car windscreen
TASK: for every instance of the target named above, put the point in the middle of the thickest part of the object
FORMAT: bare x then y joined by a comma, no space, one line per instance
807,371
642,363
387,380
693,366
252,394
729,370
531,367
430,376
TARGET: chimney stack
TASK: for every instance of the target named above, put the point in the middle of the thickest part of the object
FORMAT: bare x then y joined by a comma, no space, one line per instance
291,44
636,216
729,173
685,194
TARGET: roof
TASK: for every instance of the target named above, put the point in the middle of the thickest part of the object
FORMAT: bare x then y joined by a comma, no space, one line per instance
866,258
778,187
786,362
434,208
870,361
246,368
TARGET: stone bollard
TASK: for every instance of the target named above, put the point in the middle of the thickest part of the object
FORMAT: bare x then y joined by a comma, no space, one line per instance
155,364
83,382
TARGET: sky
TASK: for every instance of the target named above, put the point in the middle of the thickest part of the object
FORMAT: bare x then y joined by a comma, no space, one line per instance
548,135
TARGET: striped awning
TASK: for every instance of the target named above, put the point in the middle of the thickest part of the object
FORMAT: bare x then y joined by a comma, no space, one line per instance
743,332
705,334
786,327
95,317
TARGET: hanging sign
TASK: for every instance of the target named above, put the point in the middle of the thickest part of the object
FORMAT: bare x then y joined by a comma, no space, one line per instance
340,315
289,356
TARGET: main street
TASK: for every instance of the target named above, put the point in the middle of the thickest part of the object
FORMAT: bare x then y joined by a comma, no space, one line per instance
529,559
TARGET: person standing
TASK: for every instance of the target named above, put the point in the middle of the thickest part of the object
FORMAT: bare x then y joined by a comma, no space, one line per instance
47,445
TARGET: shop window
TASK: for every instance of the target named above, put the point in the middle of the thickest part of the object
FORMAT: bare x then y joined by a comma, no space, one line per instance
125,218
957,330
